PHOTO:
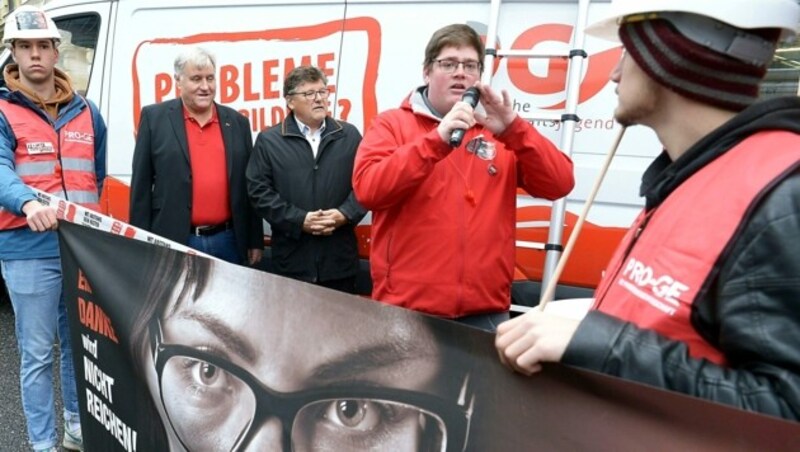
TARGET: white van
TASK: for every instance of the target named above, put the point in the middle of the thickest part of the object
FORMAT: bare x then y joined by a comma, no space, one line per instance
120,53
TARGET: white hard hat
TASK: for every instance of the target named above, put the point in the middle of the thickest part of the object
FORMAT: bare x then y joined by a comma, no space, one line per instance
743,14
29,22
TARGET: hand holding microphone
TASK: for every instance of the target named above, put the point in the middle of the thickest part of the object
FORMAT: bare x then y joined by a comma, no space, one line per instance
460,118
471,97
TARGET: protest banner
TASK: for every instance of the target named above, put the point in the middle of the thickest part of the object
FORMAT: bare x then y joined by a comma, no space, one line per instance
178,351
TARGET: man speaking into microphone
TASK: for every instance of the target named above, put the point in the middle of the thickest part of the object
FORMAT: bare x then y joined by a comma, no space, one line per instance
470,97
440,175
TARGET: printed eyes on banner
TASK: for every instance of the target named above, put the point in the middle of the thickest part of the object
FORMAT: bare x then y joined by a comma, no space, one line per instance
364,424
200,383
364,415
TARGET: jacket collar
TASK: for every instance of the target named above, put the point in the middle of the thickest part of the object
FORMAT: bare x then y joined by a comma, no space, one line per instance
663,176
178,125
290,127
417,102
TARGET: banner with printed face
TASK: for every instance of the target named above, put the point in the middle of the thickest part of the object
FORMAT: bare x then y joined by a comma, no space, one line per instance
175,351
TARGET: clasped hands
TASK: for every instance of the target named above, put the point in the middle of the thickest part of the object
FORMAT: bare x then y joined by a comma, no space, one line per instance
323,222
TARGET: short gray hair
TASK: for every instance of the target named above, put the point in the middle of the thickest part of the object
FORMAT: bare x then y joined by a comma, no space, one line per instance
197,56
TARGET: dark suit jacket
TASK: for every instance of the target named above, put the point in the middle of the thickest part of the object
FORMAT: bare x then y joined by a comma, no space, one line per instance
161,182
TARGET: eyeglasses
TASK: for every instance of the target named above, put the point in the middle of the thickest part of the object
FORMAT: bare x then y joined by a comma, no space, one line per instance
311,95
470,66
213,404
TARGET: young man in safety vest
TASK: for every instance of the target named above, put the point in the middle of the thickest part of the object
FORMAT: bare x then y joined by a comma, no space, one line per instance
702,295
54,140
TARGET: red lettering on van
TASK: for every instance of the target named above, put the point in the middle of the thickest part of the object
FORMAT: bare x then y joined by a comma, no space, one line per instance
231,86
324,62
163,86
345,106
228,83
270,78
248,83
278,115
289,64
597,68
519,71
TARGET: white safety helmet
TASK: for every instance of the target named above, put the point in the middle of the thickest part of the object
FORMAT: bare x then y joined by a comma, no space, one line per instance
29,22
743,14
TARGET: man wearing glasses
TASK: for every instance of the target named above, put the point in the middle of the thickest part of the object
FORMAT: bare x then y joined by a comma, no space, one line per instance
233,362
444,218
298,180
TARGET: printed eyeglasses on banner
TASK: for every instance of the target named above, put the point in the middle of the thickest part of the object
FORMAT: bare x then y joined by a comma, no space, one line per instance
213,404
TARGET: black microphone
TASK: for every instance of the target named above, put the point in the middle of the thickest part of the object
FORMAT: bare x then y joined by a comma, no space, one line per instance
471,96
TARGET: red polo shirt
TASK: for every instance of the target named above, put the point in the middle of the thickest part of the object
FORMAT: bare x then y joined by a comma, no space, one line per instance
210,200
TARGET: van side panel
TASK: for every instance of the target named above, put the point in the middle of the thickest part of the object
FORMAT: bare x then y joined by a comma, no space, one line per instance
372,52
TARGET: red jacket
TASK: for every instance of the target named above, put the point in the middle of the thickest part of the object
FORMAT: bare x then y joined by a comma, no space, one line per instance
443,222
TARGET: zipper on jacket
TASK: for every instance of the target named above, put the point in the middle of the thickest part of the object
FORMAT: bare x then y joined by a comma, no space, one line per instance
463,254
61,163
52,123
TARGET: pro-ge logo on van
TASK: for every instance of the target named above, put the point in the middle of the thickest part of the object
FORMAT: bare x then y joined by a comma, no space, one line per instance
78,137
663,292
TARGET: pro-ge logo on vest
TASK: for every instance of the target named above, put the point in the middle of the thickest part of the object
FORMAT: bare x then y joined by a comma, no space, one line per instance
78,137
662,292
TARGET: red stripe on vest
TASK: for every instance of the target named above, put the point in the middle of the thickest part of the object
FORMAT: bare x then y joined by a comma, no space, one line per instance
39,143
656,282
